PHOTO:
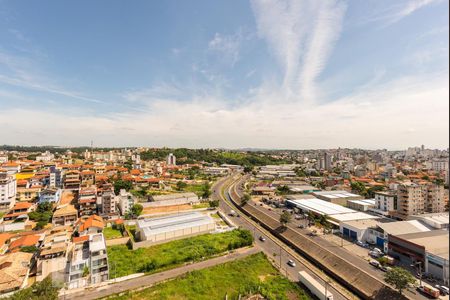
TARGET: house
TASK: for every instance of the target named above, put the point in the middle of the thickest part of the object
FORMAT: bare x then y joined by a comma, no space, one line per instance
52,257
65,215
5,238
20,210
93,224
14,271
27,193
51,195
30,240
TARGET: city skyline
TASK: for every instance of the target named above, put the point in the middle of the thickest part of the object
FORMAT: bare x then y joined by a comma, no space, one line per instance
257,74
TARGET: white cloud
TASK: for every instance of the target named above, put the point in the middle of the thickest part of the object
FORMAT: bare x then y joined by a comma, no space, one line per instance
227,45
301,35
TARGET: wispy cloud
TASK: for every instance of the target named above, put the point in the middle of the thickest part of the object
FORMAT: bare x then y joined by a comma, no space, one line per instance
227,45
301,35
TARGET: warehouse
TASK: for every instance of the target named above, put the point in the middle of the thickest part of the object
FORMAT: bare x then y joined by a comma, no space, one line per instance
172,199
335,213
434,220
171,227
429,248
361,205
337,197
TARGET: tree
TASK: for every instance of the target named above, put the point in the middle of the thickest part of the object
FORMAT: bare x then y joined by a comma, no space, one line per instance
248,169
120,184
359,188
181,185
285,218
206,190
214,203
399,278
46,289
300,172
85,271
136,209
42,215
283,190
245,199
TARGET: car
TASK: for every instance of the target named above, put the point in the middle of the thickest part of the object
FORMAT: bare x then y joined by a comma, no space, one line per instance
301,226
443,289
384,268
375,263
262,239
313,233
291,263
374,254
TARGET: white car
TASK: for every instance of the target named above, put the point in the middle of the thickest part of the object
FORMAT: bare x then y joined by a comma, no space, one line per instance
291,263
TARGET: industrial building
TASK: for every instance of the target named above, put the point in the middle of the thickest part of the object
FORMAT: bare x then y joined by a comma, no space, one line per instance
171,227
337,197
434,220
172,199
361,205
430,249
335,213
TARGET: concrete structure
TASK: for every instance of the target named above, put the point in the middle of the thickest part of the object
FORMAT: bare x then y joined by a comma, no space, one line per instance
431,249
64,215
439,165
87,201
414,199
172,199
125,201
52,258
434,220
109,203
361,205
386,201
8,190
171,160
337,197
50,195
45,157
163,229
216,171
88,261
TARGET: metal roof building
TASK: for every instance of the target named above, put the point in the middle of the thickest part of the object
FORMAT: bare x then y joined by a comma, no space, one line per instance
162,229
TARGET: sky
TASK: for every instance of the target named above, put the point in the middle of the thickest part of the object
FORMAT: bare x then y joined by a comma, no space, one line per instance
280,74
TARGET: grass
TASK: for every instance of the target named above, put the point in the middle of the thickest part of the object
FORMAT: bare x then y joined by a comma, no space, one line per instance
200,205
131,229
165,256
111,233
194,188
250,275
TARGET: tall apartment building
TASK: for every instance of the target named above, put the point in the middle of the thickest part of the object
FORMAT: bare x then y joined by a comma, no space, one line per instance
87,201
125,201
171,160
415,199
8,190
109,203
72,180
439,165
88,261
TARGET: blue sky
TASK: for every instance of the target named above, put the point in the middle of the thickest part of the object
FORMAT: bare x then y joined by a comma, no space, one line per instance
263,73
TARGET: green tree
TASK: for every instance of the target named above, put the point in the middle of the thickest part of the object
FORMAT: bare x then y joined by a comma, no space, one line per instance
136,209
85,271
359,188
282,190
206,190
300,172
399,278
46,289
181,185
285,218
214,203
248,169
120,184
245,199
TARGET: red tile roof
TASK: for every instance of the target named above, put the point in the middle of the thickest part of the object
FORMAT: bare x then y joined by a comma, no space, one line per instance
28,240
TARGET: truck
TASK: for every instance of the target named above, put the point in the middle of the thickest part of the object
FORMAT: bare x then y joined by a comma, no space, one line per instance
430,291
315,287
232,213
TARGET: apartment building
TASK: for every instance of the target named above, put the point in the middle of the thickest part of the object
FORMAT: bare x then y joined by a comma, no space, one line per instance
88,261
439,165
87,201
72,180
87,178
386,201
416,199
126,201
8,190
109,203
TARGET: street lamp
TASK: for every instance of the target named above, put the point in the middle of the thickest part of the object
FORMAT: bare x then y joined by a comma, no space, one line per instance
420,270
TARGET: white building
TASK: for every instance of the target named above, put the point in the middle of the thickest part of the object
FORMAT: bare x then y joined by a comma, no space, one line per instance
439,165
386,201
8,190
172,199
162,229
45,157
125,201
171,160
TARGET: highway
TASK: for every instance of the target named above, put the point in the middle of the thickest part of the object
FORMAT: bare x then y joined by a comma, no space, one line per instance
342,253
276,250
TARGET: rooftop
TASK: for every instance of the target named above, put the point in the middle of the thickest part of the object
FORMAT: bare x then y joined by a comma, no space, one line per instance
336,194
320,206
434,241
403,227
174,196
